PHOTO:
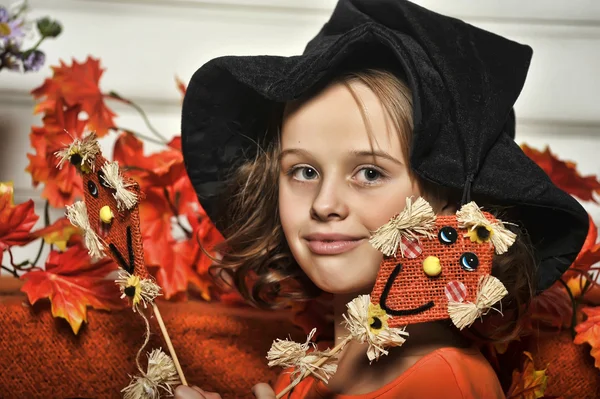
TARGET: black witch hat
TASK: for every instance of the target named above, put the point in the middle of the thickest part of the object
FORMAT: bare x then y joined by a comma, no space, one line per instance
464,81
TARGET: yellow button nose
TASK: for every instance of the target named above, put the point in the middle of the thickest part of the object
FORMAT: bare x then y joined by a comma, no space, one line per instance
106,214
432,266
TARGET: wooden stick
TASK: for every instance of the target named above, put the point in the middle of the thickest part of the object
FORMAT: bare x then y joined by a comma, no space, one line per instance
165,334
316,364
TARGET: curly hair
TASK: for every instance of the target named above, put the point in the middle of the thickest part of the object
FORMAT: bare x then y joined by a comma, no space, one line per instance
255,256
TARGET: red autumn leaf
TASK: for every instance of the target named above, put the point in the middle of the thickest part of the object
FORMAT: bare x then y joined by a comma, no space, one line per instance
206,234
175,270
77,84
72,283
589,332
159,169
528,383
564,174
552,307
175,143
15,221
155,222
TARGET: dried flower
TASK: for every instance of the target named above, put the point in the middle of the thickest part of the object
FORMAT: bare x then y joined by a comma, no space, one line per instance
368,323
286,353
139,290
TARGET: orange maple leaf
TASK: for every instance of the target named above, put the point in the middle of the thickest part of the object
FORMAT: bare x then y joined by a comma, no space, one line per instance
15,221
72,283
61,186
77,84
589,332
58,233
564,174
528,383
175,272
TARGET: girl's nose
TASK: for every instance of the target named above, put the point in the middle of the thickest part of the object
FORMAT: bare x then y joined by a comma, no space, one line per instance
329,203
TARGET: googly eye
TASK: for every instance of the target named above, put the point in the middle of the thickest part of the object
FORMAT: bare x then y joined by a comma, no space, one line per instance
448,235
102,180
469,261
92,188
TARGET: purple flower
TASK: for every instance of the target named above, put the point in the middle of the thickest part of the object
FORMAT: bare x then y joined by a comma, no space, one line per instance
3,15
33,60
12,30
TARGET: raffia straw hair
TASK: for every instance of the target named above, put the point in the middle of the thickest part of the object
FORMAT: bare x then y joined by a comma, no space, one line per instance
78,216
126,199
358,321
470,216
143,290
416,220
87,148
285,353
490,290
161,376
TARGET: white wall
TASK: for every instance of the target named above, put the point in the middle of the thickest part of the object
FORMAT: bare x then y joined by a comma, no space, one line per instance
143,44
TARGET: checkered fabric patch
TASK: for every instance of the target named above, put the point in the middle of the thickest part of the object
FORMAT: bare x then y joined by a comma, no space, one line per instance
410,248
455,291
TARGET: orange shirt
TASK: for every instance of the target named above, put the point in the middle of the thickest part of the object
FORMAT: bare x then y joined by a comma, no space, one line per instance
449,373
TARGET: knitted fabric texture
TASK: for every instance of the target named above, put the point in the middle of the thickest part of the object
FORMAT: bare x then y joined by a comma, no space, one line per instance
410,296
221,349
123,232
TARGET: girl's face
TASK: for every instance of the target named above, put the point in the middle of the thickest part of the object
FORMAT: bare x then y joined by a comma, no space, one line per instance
337,184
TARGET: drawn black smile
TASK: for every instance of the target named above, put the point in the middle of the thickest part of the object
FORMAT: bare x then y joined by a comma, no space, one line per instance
399,312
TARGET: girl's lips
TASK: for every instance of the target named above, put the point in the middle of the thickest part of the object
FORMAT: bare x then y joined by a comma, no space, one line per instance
320,247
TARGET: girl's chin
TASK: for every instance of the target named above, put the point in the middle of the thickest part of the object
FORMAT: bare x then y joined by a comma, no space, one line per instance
341,283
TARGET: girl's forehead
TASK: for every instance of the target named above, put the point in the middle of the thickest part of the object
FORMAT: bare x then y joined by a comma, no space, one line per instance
349,117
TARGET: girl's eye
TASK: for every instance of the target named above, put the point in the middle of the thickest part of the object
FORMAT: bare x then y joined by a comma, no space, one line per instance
304,173
369,175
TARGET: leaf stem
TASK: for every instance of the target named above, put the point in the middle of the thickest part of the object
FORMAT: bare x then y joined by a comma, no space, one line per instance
574,304
118,97
11,271
142,136
174,210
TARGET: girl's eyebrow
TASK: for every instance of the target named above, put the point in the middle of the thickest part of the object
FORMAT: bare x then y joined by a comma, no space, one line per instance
293,151
375,153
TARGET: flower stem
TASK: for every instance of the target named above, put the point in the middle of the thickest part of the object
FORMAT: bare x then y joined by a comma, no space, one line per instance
35,47
118,97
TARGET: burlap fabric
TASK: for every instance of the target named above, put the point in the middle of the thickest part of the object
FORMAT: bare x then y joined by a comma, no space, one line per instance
130,254
570,368
220,349
409,288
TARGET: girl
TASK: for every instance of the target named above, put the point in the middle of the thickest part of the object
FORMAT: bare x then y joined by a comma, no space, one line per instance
298,160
